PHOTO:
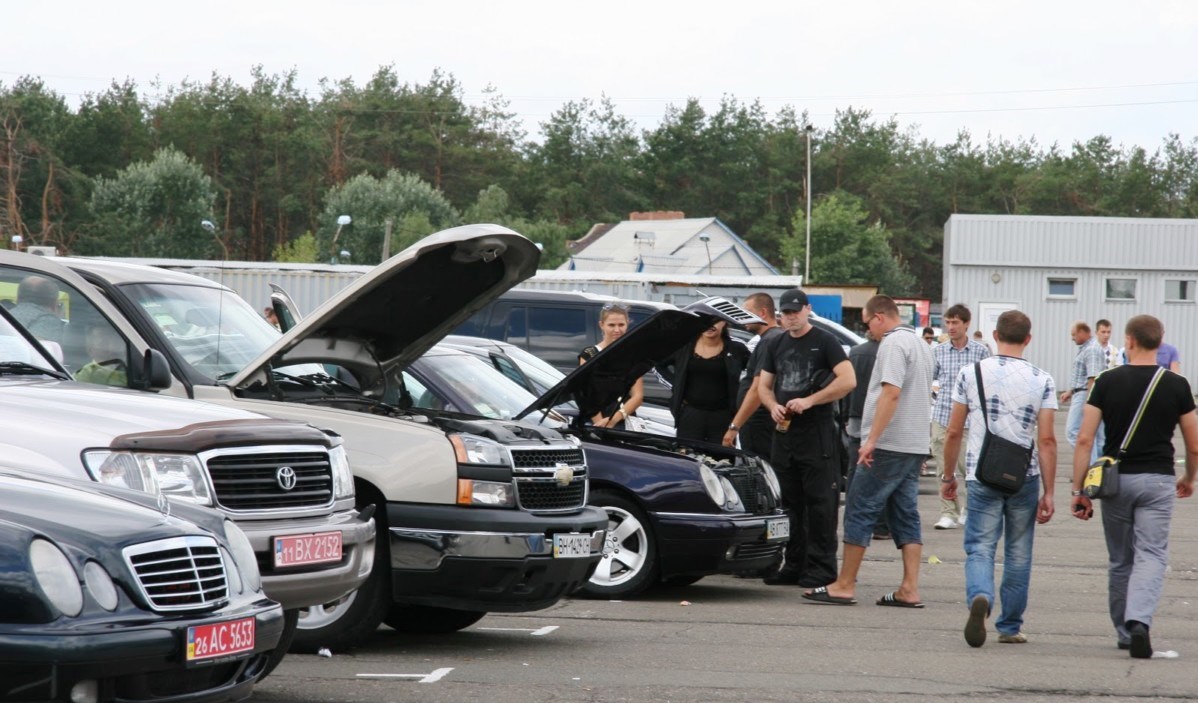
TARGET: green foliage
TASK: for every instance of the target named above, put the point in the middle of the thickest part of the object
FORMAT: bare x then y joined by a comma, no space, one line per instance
154,209
302,250
415,208
846,247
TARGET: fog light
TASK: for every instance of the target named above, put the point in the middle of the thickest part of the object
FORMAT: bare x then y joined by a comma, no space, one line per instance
85,692
731,553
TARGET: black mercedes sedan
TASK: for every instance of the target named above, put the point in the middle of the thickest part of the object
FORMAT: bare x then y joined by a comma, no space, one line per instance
108,594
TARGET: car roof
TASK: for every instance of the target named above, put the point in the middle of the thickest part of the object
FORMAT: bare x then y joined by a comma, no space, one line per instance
120,272
562,296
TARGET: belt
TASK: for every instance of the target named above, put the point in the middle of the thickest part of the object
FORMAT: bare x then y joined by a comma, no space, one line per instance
1078,390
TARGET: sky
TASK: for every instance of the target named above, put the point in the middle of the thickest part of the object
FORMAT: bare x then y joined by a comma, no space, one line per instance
1057,70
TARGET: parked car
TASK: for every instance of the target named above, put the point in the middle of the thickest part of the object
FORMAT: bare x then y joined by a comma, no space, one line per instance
287,484
677,510
557,325
473,516
537,376
115,595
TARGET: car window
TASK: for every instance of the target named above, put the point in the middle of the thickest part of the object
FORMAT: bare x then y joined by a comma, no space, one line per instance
507,368
515,329
423,397
54,311
554,332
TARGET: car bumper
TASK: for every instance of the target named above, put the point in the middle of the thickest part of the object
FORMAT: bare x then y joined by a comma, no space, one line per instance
487,560
702,544
306,585
137,662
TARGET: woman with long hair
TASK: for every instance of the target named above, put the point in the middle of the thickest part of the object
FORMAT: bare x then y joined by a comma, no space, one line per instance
705,375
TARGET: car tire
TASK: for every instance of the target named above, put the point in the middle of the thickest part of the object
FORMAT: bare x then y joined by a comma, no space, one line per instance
430,620
345,623
290,623
629,564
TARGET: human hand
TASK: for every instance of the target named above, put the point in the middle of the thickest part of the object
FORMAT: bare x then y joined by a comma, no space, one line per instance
729,438
1065,396
799,405
778,413
1046,510
865,455
1081,507
948,490
1185,488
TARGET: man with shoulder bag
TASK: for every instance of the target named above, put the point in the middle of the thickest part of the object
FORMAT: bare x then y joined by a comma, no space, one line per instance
1005,399
1141,408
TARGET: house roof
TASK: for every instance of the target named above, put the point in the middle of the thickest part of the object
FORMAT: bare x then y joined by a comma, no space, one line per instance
683,246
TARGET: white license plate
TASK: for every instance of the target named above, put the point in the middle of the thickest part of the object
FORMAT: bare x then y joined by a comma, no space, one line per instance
777,528
220,639
571,546
318,548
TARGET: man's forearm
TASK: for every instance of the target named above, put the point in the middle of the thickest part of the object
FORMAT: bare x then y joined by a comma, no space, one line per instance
747,408
883,413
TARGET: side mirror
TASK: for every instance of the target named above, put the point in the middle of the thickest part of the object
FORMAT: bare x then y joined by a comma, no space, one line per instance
156,371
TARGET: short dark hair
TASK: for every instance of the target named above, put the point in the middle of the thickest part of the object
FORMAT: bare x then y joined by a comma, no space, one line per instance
1013,327
765,301
38,291
960,312
929,330
1146,330
1102,323
881,304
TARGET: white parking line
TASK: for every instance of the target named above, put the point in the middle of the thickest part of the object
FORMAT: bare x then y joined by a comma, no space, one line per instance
539,632
437,675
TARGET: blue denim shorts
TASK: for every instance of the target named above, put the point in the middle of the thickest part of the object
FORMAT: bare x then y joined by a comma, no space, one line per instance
893,480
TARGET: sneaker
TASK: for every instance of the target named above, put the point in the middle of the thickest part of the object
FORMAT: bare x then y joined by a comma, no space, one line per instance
961,520
946,523
1141,645
975,626
1017,638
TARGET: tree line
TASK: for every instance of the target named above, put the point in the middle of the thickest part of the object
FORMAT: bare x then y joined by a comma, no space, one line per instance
272,168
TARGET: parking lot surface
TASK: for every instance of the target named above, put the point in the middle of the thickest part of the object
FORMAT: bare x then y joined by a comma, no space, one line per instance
732,639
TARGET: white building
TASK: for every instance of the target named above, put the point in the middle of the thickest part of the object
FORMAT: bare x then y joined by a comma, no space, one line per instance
1062,269
678,246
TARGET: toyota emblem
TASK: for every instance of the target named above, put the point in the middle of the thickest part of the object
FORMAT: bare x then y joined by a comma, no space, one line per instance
286,477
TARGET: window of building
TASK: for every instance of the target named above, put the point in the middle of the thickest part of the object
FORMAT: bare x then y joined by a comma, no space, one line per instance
1062,287
1179,290
1121,289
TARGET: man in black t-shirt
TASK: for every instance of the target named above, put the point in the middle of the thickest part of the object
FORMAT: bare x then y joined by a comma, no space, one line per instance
751,423
1136,521
803,373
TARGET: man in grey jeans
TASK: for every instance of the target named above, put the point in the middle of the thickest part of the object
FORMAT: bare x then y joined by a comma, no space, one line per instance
1136,521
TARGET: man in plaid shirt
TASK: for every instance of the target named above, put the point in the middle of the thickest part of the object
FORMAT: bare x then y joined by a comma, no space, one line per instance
950,358
1088,363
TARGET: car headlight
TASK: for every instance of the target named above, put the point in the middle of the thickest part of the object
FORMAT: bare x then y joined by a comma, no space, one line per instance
343,478
490,494
100,585
731,497
471,449
712,483
56,577
243,555
173,475
771,478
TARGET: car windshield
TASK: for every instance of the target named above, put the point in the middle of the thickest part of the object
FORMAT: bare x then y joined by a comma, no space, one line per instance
16,351
215,331
542,374
474,383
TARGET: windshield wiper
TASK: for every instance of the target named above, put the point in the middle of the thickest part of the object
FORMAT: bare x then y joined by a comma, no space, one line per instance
22,368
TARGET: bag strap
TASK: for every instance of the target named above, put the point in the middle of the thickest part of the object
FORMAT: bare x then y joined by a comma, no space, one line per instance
1135,422
977,370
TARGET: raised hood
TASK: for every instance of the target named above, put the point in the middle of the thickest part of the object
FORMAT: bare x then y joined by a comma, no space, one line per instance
600,381
403,306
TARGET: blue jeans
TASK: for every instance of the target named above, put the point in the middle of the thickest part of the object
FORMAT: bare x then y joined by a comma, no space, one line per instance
993,514
892,482
1073,425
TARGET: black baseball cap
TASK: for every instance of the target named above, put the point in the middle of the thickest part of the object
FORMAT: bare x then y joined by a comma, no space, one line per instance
793,299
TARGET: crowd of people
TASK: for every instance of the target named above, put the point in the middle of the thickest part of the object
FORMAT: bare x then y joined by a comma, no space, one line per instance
779,398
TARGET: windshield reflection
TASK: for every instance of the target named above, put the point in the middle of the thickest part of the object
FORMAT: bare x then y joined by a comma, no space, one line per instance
215,331
478,389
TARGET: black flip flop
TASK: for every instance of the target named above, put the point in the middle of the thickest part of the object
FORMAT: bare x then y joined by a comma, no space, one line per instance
821,595
892,600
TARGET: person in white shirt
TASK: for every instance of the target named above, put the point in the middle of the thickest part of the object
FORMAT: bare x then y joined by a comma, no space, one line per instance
1110,353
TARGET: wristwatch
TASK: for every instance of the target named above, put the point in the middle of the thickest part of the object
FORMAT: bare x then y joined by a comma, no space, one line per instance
1076,493
732,426
949,479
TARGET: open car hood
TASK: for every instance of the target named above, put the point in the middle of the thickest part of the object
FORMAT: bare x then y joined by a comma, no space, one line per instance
600,381
403,306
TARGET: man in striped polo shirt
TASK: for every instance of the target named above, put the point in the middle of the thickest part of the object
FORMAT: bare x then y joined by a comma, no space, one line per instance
1088,363
950,358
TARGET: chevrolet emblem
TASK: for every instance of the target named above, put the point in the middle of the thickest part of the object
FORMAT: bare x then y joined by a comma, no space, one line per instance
564,475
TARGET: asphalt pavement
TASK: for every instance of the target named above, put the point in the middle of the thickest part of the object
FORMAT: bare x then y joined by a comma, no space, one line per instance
730,639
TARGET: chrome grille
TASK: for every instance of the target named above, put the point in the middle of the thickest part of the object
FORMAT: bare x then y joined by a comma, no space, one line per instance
251,481
538,487
541,458
754,493
182,573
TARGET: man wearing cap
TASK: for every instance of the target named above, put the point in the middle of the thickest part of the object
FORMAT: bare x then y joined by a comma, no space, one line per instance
803,372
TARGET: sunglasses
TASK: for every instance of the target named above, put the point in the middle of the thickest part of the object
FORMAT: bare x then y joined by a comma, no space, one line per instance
615,306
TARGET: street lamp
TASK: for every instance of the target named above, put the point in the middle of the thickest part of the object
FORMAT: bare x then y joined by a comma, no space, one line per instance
211,229
808,129
706,239
342,220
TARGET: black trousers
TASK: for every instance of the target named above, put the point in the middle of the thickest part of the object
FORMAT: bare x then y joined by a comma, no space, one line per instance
806,461
703,425
757,435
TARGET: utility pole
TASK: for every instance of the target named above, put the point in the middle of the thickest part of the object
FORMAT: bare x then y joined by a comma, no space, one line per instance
387,224
807,249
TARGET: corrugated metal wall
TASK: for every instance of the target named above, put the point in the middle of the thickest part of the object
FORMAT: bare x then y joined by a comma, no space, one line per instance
1022,253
